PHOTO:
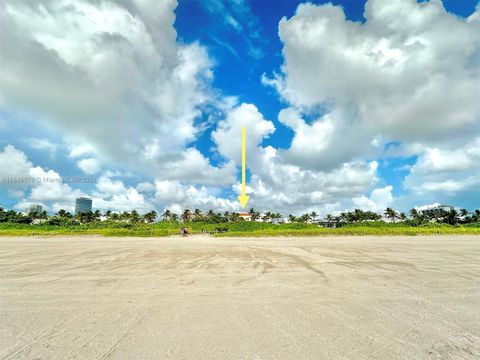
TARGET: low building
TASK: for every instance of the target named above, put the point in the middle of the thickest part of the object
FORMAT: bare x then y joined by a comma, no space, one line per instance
83,205
436,212
245,216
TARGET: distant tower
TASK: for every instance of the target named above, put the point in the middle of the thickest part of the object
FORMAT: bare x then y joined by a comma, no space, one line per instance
83,205
34,209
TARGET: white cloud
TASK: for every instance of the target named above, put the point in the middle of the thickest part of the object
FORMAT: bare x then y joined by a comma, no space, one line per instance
378,201
409,73
14,163
111,74
49,190
325,142
114,194
446,171
106,185
192,166
228,135
80,150
145,187
277,184
42,144
177,196
89,166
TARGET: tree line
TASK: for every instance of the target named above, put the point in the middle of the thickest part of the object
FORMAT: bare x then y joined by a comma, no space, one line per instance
63,217
414,217
215,217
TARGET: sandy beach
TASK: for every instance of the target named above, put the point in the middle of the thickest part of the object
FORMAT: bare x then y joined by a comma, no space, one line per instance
207,298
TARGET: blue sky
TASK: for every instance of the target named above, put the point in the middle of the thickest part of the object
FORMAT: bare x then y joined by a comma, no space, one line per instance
346,104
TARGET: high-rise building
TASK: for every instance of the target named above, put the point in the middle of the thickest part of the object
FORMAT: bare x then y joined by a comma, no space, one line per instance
34,209
83,205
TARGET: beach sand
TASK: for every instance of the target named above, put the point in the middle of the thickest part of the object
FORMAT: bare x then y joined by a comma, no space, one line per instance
271,298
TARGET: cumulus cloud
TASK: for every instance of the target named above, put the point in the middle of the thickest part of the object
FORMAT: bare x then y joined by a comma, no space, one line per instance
80,150
378,200
14,163
110,74
409,73
277,184
42,145
113,194
48,189
145,187
34,184
191,166
446,171
177,196
322,143
228,134
89,166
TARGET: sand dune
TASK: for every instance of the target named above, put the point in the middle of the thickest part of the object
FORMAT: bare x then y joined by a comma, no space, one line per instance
207,298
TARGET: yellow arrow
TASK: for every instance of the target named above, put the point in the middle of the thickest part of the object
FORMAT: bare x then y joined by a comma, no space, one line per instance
243,198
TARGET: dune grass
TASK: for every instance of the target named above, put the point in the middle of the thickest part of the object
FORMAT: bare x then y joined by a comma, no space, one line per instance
380,231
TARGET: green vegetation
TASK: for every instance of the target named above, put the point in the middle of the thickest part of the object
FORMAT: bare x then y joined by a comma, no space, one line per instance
373,228
357,222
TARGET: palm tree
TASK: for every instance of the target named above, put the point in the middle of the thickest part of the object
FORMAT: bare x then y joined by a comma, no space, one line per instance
226,215
186,215
235,216
476,215
304,218
134,217
254,215
402,216
124,216
276,216
61,213
167,214
329,218
174,217
150,217
96,215
292,218
267,216
197,214
210,215
452,217
313,215
414,213
390,214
